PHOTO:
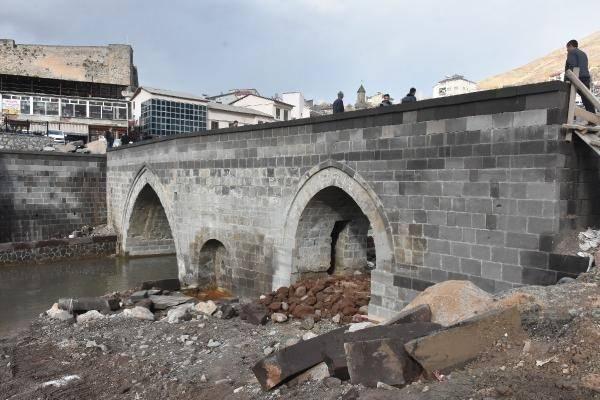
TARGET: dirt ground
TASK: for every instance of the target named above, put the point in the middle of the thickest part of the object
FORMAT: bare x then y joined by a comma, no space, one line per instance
124,358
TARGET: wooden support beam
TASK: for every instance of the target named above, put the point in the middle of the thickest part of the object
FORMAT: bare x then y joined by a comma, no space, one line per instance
584,91
572,106
582,128
589,139
586,115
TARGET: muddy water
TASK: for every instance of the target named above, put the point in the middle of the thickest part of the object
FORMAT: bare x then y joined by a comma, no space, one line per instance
29,289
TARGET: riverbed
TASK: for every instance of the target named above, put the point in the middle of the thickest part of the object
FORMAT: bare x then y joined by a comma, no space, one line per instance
26,290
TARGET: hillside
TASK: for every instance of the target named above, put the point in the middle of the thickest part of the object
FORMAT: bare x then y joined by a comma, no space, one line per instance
542,69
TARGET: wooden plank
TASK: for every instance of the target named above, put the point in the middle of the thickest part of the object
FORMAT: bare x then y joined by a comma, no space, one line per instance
572,106
582,89
586,115
582,128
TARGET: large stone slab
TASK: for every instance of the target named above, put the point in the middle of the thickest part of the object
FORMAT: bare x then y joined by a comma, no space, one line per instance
329,348
420,313
453,347
162,302
381,360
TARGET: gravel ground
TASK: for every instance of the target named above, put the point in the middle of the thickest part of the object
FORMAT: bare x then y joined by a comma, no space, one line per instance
124,358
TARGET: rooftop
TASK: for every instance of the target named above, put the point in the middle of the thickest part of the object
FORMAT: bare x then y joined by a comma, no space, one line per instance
455,77
111,64
263,97
235,109
170,93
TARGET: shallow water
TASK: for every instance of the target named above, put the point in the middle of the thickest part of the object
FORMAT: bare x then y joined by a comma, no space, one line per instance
27,290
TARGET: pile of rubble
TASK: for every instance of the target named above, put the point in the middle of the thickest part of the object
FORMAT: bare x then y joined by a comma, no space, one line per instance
78,146
443,328
340,298
589,241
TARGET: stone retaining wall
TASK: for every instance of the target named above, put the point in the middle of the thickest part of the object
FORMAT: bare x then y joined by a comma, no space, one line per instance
46,195
57,249
14,141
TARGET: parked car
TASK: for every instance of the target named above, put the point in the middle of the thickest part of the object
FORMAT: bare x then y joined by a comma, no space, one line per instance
58,136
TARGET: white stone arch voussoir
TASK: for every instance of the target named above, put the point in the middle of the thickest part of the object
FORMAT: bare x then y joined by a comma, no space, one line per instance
328,174
146,176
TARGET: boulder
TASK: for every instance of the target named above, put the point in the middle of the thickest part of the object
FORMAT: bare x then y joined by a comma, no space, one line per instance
206,307
97,147
146,303
91,315
84,304
458,344
453,301
279,317
139,313
303,311
254,313
162,302
179,313
163,284
56,313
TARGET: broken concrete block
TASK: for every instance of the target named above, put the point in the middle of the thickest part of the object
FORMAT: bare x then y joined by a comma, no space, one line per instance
381,360
163,284
254,313
84,304
162,302
329,348
316,373
453,347
453,301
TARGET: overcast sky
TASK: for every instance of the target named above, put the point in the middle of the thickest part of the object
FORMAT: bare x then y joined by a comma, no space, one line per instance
314,46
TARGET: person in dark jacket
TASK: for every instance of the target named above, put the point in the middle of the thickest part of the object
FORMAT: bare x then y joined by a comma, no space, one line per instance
577,58
386,101
338,104
109,139
410,97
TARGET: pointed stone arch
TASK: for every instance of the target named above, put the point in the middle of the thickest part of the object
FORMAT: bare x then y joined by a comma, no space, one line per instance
147,187
331,174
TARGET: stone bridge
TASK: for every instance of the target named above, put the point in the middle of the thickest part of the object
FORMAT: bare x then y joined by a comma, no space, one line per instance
480,186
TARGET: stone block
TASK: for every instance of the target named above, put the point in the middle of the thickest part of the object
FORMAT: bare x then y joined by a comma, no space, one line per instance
457,345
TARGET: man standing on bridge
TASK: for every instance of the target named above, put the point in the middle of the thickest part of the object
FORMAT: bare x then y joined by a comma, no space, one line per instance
410,97
338,104
577,58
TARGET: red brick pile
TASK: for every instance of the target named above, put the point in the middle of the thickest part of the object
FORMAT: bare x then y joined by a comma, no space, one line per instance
322,298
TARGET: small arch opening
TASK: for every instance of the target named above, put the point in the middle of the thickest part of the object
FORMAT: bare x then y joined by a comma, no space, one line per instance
214,266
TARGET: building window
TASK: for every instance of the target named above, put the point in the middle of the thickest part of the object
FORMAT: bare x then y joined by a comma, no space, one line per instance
214,124
285,115
164,117
278,113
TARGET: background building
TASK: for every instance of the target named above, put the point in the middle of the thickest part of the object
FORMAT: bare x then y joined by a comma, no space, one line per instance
453,85
276,108
165,112
232,95
223,116
301,108
80,90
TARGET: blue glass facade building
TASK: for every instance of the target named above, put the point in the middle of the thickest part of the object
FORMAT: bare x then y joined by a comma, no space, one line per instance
165,117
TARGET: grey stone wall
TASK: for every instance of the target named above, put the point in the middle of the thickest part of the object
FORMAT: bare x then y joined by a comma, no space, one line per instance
46,195
57,249
467,187
10,141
